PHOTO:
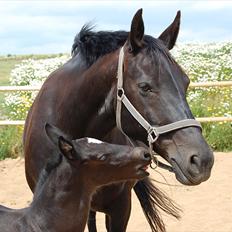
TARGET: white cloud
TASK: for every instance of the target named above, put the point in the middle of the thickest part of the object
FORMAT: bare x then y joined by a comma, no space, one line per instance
211,5
218,34
37,26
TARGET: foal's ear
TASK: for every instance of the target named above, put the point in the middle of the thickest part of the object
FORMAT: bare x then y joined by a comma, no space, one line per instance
66,148
169,36
54,134
137,32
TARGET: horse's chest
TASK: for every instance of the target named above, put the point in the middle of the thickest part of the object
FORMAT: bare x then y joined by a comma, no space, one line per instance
107,196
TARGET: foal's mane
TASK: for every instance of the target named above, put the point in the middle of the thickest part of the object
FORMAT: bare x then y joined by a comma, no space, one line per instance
52,164
92,45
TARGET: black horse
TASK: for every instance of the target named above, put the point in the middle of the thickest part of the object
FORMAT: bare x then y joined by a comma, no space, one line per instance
81,99
63,193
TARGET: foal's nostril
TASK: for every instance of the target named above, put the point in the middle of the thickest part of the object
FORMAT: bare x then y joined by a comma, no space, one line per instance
147,156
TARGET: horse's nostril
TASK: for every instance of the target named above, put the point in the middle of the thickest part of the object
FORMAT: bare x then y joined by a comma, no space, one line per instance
147,156
195,165
194,159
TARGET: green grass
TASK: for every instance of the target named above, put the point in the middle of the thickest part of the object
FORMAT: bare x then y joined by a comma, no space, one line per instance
11,141
218,135
7,63
5,69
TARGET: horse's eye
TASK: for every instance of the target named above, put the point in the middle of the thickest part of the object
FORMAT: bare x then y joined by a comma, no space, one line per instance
145,87
84,161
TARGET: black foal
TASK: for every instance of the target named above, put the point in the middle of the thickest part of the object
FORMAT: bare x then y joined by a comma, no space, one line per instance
62,198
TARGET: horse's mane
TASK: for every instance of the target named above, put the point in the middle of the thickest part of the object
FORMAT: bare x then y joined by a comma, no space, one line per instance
51,164
93,45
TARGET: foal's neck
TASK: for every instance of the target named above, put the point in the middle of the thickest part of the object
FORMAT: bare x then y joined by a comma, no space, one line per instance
62,205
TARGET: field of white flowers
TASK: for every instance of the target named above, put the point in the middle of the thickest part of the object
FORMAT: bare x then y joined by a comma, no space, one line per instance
202,62
29,72
208,62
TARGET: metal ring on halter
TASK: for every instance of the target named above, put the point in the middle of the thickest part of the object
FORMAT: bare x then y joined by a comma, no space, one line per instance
120,93
155,161
152,135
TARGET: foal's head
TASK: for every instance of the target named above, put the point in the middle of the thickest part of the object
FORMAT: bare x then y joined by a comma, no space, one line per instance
98,162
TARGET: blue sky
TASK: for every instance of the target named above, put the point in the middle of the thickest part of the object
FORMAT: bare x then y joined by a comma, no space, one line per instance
28,27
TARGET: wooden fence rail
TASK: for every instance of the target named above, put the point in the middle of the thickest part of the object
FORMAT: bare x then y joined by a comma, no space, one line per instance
210,84
192,85
19,88
202,120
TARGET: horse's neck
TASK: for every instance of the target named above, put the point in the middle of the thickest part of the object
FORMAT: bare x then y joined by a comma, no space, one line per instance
94,114
58,206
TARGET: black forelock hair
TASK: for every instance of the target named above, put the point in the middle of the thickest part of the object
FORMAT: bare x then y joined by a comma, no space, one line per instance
93,45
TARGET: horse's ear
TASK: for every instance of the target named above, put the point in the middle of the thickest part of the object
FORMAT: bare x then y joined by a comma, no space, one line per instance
169,36
54,134
137,32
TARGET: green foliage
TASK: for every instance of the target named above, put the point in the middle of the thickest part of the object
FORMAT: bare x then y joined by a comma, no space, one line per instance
218,135
11,141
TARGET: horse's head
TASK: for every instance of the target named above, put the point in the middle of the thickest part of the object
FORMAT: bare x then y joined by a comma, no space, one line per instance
102,163
156,86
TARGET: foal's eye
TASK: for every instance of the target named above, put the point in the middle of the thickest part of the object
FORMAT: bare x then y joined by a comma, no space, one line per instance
145,87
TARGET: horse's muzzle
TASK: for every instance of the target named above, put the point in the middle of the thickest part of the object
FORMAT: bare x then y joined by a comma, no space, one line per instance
194,170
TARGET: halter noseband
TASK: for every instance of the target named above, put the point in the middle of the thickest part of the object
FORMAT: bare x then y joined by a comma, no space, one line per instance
153,132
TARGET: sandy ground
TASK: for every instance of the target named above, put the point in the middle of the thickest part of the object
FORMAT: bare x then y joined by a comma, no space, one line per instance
206,208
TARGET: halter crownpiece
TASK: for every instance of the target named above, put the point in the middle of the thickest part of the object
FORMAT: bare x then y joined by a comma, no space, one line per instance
153,132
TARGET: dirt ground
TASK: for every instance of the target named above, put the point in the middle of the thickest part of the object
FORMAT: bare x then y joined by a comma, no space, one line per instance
206,208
